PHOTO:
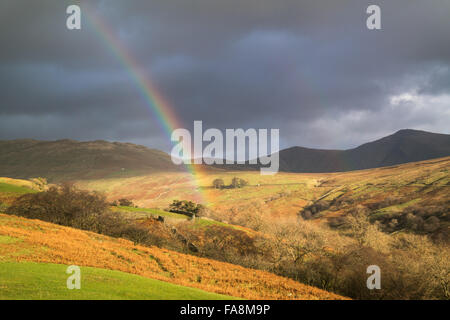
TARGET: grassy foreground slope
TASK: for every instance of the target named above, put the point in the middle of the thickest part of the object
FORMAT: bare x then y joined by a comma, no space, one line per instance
24,240
28,280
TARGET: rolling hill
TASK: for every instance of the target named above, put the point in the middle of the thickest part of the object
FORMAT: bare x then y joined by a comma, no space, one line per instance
69,159
73,160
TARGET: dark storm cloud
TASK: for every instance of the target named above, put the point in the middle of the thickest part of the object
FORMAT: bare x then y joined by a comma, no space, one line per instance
310,68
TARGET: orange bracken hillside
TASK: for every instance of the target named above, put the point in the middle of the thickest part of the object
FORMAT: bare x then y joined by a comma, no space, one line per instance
37,241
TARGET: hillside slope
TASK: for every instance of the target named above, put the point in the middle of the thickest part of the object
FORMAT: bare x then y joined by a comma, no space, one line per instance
281,194
69,159
37,241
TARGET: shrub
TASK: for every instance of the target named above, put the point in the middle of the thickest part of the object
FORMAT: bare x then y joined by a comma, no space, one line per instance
238,183
41,183
414,223
64,205
431,224
227,244
186,207
125,203
218,183
359,225
312,210
114,203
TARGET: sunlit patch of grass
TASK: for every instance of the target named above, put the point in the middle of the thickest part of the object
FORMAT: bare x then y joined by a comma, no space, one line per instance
8,240
48,281
396,208
146,212
11,189
200,222
19,183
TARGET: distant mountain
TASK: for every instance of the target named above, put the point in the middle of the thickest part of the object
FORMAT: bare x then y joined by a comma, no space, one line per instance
73,160
69,159
401,147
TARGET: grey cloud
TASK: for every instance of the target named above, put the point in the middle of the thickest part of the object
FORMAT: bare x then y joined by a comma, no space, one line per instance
310,68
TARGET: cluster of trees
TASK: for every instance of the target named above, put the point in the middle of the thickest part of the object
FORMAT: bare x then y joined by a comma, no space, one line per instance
68,206
413,267
235,183
123,203
186,207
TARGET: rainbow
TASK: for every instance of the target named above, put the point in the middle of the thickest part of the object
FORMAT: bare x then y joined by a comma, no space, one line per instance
159,106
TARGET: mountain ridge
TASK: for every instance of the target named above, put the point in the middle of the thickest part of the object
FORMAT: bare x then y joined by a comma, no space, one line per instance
406,145
73,160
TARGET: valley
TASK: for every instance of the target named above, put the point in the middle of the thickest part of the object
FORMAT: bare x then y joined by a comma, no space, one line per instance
284,236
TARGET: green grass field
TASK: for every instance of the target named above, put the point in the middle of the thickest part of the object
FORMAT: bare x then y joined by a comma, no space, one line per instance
145,212
141,213
25,281
11,188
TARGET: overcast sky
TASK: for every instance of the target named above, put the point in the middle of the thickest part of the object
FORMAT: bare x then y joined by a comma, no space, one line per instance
310,68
